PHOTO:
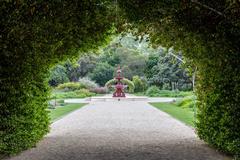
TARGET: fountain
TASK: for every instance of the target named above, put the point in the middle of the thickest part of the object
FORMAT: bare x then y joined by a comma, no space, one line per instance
119,87
119,83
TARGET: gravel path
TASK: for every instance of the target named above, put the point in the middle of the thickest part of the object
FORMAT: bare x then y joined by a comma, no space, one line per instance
120,131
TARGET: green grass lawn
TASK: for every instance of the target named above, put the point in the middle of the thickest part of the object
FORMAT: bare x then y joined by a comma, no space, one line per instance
61,111
185,115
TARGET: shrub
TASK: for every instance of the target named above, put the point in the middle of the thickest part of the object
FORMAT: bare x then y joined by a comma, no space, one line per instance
186,102
167,93
152,91
82,93
130,84
139,84
100,90
58,76
166,86
88,83
70,86
102,73
184,93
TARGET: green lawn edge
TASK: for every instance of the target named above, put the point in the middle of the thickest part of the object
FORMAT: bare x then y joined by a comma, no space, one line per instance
184,115
61,111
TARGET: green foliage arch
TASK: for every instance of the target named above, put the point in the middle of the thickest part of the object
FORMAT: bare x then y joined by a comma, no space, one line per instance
208,34
36,35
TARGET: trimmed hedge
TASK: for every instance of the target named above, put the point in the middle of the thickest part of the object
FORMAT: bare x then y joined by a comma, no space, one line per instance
210,41
35,35
219,107
23,114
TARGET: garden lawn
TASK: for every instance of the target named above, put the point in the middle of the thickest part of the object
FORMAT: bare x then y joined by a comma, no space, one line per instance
61,111
185,115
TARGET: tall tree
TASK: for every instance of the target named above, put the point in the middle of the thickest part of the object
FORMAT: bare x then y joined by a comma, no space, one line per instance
102,73
162,69
124,52
58,75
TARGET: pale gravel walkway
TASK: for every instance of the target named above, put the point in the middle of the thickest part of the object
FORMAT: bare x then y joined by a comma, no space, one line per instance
120,131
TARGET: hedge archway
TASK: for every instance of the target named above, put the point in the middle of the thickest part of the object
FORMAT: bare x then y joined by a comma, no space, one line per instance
37,34
208,33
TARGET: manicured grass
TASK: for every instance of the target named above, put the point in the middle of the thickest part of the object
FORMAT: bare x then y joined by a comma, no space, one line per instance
61,111
185,115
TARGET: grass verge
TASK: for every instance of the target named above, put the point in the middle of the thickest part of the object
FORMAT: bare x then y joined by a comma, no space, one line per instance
61,111
186,115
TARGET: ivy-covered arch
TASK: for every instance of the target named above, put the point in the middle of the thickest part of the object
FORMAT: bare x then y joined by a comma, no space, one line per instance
208,34
36,34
